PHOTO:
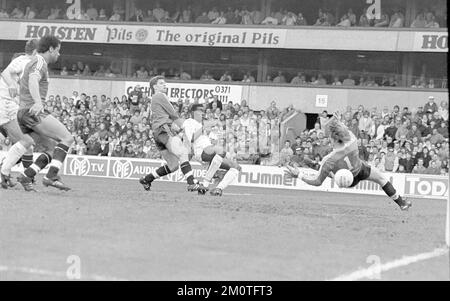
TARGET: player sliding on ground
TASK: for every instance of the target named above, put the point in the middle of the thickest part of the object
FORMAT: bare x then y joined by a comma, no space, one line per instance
204,151
9,105
33,119
166,123
345,155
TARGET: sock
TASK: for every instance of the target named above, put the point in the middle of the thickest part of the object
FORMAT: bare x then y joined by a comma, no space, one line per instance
27,160
15,152
160,172
229,177
186,169
40,163
390,191
59,155
212,169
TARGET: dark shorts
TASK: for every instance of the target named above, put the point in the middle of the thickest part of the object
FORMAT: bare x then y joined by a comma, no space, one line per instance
161,138
363,174
27,121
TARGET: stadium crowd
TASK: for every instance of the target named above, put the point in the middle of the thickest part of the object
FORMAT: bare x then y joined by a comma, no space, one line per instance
308,78
428,17
398,140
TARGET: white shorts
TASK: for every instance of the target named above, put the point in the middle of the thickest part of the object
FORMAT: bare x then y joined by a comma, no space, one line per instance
200,144
8,111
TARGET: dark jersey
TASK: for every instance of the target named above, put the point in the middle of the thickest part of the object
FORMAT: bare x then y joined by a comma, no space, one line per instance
162,111
346,157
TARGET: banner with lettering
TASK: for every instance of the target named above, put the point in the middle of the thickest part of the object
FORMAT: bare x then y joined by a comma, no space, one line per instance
176,91
411,185
312,37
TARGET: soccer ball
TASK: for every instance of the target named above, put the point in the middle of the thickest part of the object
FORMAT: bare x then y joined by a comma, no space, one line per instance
343,178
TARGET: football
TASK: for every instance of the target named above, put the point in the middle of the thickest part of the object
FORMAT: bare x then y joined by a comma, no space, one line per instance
343,178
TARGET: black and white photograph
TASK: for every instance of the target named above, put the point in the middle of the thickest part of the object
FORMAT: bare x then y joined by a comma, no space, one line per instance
219,147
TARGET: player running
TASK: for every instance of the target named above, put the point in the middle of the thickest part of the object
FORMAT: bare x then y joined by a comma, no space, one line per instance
9,105
345,155
166,123
34,119
204,151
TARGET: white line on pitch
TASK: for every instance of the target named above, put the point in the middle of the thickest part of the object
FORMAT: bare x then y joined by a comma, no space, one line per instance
34,271
377,269
238,193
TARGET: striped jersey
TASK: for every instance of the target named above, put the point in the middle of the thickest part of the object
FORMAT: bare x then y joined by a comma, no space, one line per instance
37,66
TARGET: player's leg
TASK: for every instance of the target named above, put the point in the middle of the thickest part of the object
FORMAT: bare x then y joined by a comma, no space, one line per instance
373,174
41,162
176,146
210,154
171,166
161,139
52,128
17,150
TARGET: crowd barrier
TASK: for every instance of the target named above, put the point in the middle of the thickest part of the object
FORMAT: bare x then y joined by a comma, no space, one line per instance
412,185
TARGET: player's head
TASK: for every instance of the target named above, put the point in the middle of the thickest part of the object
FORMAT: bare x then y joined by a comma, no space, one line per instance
31,46
197,113
337,131
157,84
49,45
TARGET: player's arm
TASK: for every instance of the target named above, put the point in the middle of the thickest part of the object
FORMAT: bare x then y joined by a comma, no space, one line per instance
324,172
12,69
170,110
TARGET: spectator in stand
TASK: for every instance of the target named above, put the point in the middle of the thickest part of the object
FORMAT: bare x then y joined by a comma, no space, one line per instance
297,80
383,21
397,20
138,16
301,21
345,21
279,78
115,17
430,106
430,21
270,20
349,81
363,21
141,73
433,169
420,21
92,12
226,77
3,13
30,12
64,71
290,19
213,14
203,18
220,19
17,12
102,15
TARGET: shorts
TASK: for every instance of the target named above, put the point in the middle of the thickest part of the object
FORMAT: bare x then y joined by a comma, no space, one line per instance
362,175
161,138
28,121
8,111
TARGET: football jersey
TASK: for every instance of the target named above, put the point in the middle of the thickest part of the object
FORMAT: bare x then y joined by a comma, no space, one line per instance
36,66
16,69
162,111
191,126
346,157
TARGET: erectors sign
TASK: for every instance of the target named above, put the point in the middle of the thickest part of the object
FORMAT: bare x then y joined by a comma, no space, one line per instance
176,91
311,37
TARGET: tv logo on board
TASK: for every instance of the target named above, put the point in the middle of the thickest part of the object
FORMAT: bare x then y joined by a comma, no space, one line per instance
122,169
79,166
424,186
